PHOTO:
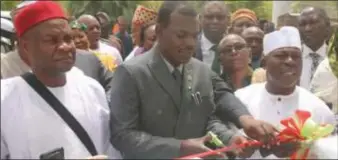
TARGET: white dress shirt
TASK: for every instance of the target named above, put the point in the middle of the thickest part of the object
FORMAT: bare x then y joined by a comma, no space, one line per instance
307,64
107,49
207,52
30,127
171,67
273,108
324,84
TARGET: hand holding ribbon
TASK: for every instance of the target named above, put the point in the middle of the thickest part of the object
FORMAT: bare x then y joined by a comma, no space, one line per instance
300,129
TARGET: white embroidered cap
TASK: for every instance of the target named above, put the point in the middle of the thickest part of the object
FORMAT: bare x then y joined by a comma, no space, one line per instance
286,36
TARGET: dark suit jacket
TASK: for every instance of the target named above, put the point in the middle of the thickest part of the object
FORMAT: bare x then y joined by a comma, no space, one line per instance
92,67
198,54
148,120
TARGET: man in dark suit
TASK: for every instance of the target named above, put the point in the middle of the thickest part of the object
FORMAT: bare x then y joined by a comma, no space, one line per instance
215,19
163,101
92,67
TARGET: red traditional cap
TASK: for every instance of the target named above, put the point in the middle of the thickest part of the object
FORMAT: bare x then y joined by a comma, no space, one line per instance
36,13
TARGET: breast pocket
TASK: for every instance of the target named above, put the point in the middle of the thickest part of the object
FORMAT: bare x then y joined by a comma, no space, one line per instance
207,106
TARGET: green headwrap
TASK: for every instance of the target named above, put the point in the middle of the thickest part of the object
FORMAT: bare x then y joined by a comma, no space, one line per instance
333,59
77,25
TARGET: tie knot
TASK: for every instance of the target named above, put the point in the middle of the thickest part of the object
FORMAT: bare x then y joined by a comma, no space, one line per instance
176,73
214,48
314,55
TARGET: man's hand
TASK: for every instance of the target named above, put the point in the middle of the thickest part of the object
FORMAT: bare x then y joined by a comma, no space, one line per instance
98,157
194,146
258,130
242,153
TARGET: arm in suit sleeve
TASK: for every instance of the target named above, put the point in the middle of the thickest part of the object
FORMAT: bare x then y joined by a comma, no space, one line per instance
127,135
105,78
220,129
228,106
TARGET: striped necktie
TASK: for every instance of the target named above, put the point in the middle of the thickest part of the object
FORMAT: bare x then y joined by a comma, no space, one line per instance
315,62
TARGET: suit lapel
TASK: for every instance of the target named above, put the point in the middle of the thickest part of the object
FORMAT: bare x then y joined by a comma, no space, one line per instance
161,73
199,54
188,82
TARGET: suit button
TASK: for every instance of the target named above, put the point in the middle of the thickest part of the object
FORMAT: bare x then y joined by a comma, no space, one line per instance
159,112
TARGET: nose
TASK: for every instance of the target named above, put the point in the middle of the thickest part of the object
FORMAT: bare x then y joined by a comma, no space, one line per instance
76,40
96,30
307,27
214,20
290,60
254,44
66,46
190,42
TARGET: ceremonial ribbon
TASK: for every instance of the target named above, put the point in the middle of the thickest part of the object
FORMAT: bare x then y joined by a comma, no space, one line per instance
300,127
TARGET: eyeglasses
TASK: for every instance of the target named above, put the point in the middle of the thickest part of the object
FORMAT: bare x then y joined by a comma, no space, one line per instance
234,49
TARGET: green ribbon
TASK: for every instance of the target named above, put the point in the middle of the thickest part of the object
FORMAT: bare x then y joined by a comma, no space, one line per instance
77,25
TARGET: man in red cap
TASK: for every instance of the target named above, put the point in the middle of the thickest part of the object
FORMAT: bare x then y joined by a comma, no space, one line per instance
55,111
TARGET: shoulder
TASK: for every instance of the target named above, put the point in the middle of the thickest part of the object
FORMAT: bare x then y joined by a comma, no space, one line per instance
202,67
108,48
304,93
85,54
323,66
139,61
9,88
88,84
320,111
312,101
248,91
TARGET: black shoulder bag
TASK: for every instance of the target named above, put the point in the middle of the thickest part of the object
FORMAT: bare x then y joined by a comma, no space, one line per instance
61,110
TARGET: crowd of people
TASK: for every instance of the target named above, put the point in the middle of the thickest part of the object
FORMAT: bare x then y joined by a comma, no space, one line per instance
70,89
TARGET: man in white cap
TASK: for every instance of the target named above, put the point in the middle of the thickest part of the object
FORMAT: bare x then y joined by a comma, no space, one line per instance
279,97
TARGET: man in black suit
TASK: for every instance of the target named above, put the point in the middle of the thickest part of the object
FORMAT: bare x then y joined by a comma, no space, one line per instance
215,19
163,101
92,67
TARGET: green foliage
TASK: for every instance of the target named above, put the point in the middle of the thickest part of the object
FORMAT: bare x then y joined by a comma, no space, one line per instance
8,5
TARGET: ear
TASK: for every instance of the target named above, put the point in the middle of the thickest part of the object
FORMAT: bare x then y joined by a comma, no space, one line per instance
158,30
23,51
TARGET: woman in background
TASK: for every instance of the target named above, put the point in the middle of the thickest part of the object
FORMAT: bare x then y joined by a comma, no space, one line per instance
142,17
81,42
242,19
147,40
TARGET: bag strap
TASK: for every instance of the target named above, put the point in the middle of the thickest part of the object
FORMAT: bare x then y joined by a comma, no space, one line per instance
81,133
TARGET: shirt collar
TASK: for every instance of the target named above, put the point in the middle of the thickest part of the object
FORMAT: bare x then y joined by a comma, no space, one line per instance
171,67
293,95
206,42
321,51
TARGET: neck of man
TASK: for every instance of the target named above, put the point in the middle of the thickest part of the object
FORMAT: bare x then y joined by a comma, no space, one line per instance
215,39
276,90
56,80
94,46
315,47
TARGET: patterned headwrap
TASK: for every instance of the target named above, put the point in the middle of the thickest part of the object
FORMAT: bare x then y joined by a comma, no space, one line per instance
244,12
142,17
76,25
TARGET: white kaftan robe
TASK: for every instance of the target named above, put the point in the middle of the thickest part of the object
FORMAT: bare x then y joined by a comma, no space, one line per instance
273,108
30,127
